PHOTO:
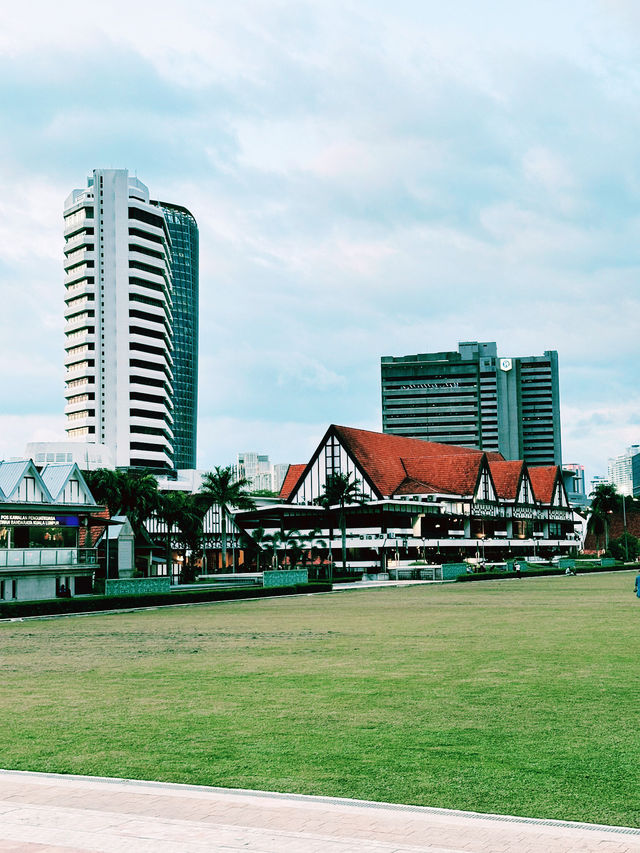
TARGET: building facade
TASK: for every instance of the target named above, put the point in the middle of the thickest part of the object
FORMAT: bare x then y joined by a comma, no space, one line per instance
423,501
262,474
574,481
620,471
183,230
45,546
87,456
119,322
597,480
474,398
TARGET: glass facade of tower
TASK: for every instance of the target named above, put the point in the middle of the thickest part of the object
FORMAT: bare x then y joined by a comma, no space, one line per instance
183,230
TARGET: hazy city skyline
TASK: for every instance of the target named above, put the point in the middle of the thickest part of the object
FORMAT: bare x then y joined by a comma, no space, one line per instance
368,181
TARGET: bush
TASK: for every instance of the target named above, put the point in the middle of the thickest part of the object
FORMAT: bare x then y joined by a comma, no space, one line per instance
618,550
533,573
97,603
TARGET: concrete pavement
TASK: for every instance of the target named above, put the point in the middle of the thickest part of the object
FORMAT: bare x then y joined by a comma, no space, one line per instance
46,813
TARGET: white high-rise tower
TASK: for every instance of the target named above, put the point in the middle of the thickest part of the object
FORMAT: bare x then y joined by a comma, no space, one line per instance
118,332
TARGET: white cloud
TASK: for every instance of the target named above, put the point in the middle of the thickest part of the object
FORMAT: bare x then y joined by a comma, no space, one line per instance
368,178
16,431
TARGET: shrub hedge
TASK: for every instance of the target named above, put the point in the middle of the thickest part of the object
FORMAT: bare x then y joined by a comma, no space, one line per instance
532,573
95,603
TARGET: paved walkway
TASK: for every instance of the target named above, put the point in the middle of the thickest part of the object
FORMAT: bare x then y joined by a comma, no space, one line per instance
43,812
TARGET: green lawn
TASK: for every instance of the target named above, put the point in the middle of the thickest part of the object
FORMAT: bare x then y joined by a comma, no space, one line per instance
514,696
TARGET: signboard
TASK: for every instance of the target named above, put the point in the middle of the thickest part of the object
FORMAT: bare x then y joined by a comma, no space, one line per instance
506,364
16,520
430,385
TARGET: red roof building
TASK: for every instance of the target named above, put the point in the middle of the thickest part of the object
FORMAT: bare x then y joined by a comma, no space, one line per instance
429,498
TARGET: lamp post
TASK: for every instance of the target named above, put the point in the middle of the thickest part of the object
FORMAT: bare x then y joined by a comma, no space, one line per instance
624,529
481,537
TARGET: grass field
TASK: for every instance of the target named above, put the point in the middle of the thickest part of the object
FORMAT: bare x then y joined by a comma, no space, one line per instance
519,697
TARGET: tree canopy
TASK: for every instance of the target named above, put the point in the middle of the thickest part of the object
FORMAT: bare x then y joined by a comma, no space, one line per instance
130,493
605,498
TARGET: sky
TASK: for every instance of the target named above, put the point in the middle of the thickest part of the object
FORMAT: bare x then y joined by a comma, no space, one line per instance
369,179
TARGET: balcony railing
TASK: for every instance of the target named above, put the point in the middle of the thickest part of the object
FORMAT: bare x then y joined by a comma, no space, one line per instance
22,558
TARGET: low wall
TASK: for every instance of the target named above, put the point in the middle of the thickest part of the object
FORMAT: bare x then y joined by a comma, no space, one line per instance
138,586
285,577
450,571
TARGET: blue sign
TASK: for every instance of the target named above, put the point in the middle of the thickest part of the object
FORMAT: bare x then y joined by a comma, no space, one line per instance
68,520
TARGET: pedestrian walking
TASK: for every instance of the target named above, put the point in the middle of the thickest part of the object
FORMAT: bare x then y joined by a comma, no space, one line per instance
637,586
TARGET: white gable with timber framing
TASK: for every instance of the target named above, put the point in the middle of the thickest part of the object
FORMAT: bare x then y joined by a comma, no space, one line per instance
66,484
331,457
560,497
485,488
525,489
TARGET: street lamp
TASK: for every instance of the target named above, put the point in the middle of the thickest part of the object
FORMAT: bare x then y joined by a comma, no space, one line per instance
482,536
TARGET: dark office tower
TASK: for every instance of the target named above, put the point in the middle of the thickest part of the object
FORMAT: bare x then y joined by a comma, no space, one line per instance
476,399
183,231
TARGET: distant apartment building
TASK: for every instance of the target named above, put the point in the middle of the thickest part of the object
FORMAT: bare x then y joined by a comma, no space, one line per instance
597,480
574,483
130,334
620,471
475,398
262,474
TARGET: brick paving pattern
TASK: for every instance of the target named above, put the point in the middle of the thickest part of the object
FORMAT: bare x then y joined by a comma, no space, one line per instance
44,813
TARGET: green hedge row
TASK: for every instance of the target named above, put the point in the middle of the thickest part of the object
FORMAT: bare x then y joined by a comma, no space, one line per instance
534,573
95,603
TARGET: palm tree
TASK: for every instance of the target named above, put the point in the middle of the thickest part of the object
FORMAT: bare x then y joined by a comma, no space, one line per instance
291,539
311,546
257,538
220,487
605,500
272,541
134,494
178,510
340,489
596,525
191,525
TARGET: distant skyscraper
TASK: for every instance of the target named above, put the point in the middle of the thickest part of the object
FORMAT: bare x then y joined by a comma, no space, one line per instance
184,267
474,398
620,470
598,480
261,473
119,324
574,483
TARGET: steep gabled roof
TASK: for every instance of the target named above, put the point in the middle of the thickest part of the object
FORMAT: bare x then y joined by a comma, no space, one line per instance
455,474
409,486
11,476
56,476
543,480
506,477
381,456
294,472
